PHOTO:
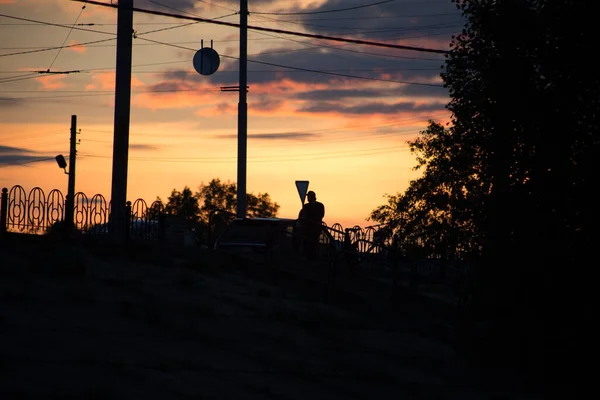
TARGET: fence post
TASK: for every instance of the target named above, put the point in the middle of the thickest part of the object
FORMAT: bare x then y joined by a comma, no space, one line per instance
3,211
128,220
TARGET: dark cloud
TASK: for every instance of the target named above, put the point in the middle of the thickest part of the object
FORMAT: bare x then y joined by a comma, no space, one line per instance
408,90
273,136
168,86
12,150
265,103
19,156
432,19
306,67
338,94
170,5
372,108
315,61
9,102
143,147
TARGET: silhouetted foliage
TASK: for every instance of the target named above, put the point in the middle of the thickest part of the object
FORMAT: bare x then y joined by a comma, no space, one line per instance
217,195
437,215
510,179
183,204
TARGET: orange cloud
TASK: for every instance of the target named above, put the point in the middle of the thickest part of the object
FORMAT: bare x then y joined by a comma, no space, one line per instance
7,1
285,87
79,48
51,82
106,81
170,95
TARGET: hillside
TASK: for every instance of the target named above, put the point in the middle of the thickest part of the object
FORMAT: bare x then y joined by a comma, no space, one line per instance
96,322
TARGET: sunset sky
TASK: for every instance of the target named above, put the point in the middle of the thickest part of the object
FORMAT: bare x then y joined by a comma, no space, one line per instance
344,130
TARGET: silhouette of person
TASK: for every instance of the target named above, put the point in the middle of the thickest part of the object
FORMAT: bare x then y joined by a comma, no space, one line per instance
311,218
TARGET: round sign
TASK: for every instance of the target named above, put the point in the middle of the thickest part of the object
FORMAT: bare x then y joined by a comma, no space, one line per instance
206,61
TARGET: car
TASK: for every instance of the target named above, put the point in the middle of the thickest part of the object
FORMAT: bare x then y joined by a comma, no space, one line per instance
138,229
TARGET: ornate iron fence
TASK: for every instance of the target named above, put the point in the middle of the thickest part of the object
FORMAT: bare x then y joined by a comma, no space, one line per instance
36,212
370,240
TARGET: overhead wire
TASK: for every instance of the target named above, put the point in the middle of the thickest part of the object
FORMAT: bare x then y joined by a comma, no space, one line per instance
187,12
216,5
307,69
40,50
378,17
265,159
362,18
252,136
314,36
55,24
325,11
19,77
339,48
361,32
66,38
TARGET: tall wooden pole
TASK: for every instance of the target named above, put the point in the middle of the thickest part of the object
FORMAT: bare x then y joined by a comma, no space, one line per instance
242,112
122,116
70,203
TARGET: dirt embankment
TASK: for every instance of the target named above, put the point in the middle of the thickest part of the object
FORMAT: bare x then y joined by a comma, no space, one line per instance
97,321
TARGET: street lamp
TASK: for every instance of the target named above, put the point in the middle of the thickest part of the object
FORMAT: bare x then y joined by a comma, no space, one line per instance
70,200
62,163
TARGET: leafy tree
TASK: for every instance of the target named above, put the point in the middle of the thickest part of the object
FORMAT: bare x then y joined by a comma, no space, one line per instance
437,215
514,170
183,204
216,195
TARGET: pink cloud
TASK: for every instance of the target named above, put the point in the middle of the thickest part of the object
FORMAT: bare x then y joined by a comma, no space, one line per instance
78,48
272,99
51,82
106,81
170,95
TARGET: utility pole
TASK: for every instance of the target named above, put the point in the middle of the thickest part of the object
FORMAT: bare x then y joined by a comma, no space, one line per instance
70,202
242,112
122,116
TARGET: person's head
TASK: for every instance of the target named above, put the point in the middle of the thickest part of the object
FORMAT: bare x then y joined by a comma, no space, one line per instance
311,196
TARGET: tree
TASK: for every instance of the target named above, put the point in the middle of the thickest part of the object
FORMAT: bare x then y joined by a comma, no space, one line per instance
183,204
438,214
216,195
521,149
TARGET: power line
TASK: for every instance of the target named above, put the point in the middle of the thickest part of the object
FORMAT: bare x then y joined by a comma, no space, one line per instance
264,159
355,31
256,28
37,50
326,11
87,71
58,25
306,69
358,128
339,48
377,17
18,77
54,48
66,38
216,5
186,12
280,20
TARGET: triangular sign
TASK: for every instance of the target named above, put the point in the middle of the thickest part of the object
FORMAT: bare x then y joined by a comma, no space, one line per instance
302,187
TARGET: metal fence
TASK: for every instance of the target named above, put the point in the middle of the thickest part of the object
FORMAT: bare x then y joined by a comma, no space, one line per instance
374,247
37,212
